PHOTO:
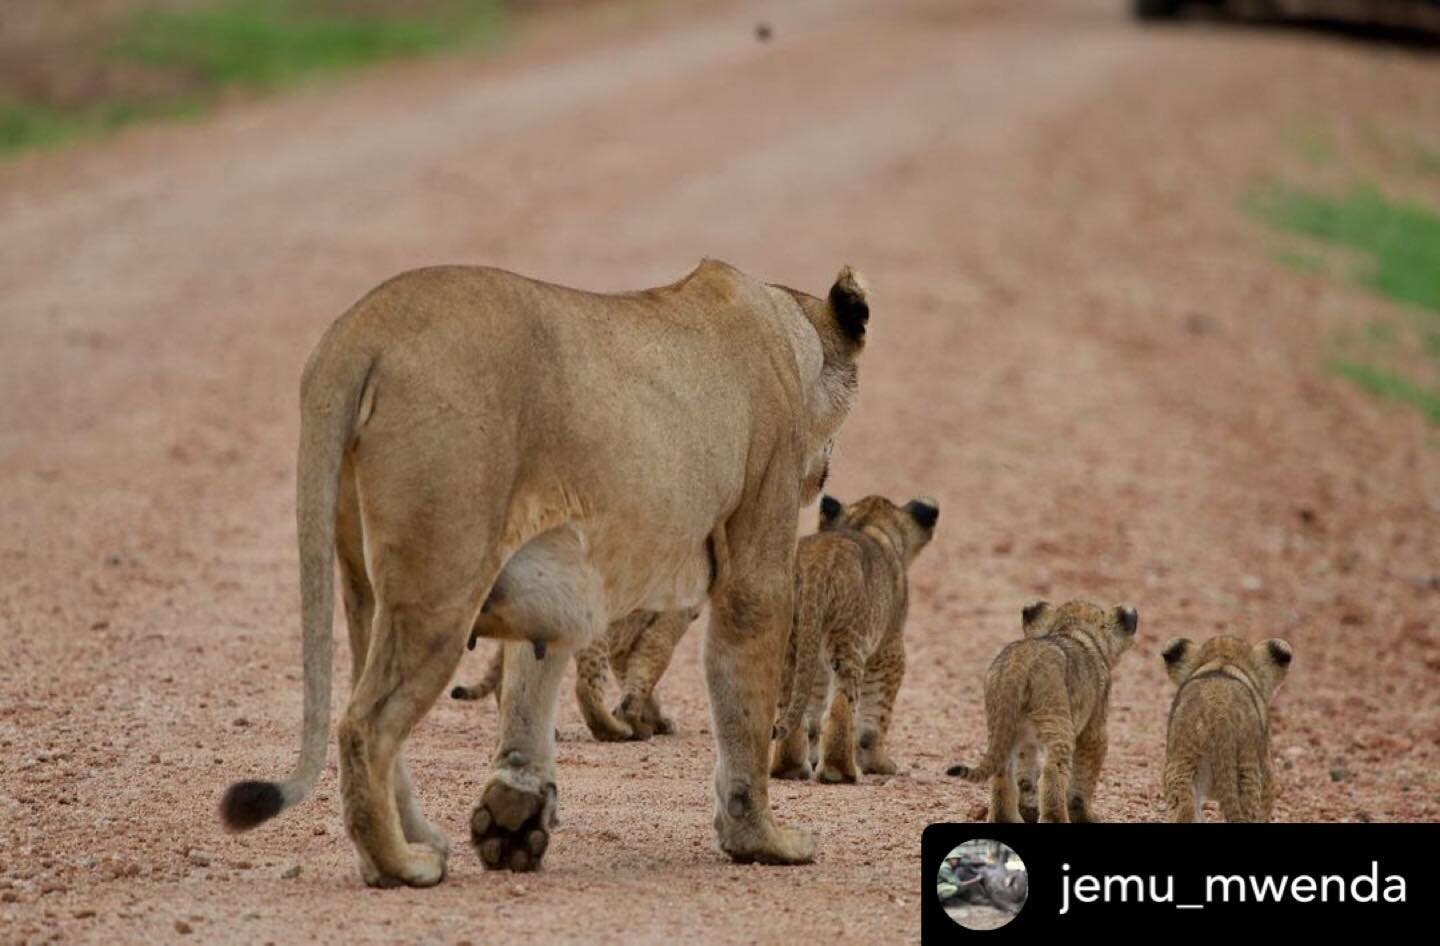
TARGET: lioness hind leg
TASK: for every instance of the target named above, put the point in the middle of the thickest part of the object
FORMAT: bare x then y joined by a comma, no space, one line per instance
510,826
359,599
413,652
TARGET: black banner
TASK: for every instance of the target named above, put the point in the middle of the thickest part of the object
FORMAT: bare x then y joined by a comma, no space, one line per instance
1197,877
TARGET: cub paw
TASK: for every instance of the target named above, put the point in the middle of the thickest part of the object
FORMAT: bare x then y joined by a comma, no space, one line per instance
797,771
878,765
837,775
510,827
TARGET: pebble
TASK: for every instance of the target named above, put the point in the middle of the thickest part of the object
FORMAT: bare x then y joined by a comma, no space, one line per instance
182,927
291,874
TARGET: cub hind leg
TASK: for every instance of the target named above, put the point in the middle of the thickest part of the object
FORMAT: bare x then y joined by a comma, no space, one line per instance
884,672
648,660
592,671
1057,737
797,755
837,736
1005,798
1089,757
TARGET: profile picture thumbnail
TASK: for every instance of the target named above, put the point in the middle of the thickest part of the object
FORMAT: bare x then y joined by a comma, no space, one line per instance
982,884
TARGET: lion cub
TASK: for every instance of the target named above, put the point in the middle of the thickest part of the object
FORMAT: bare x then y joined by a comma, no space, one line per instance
1046,697
638,648
1217,743
851,596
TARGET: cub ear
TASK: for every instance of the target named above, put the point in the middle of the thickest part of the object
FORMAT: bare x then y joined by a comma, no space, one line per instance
1177,655
1175,651
924,511
1032,613
1278,652
849,302
830,509
1129,619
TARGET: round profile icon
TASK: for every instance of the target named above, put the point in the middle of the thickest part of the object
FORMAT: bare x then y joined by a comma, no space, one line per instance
982,884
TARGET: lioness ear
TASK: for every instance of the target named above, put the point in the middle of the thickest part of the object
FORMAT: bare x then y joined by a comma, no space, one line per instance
1174,654
924,512
1031,613
849,303
830,510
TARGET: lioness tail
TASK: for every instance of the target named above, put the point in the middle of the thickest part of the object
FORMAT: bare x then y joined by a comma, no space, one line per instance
331,391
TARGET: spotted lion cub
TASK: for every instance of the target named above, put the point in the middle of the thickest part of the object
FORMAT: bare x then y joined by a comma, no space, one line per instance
1217,743
1046,698
851,597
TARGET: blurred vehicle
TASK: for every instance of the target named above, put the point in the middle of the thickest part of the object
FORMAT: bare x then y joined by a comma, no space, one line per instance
1407,14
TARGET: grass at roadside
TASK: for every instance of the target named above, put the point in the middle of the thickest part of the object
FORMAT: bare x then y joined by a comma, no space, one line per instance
1398,244
202,50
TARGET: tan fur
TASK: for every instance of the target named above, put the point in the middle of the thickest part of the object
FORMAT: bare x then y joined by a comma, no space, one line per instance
638,648
471,437
1046,699
851,598
1217,742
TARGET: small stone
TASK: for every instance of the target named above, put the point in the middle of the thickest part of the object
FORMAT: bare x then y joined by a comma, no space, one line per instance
291,874
241,721
1251,583
198,859
763,32
182,927
1338,772
154,758
83,914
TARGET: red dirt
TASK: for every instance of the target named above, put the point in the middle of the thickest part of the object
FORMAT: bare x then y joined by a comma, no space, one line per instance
1081,346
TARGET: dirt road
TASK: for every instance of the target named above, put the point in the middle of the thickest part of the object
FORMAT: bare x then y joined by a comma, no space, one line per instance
1080,346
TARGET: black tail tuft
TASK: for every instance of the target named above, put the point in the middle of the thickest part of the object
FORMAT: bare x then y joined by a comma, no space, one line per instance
960,770
462,693
247,804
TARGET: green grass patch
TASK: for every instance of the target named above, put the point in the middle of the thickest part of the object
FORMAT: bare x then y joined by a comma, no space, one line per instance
263,43
1399,244
1401,238
35,126
249,44
1391,386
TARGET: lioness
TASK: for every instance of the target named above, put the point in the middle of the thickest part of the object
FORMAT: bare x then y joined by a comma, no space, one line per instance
638,647
1217,743
851,599
469,438
1048,694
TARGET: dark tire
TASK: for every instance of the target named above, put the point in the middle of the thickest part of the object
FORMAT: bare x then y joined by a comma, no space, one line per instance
1155,9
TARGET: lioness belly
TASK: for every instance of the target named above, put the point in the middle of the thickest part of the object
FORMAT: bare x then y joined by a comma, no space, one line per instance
560,587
